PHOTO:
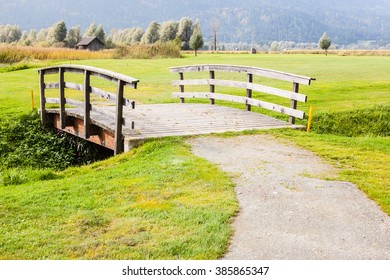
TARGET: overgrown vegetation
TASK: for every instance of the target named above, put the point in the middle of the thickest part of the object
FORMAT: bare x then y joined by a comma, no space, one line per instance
141,51
12,54
26,147
373,121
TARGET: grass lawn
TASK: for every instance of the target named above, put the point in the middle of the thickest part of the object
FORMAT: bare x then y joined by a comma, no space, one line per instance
156,202
159,201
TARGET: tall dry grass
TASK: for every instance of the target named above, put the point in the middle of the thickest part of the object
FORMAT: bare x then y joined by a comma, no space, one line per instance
142,51
14,54
341,52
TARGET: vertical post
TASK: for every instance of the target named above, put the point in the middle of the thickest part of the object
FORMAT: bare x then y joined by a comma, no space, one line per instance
294,102
87,104
310,119
212,87
42,95
62,97
119,119
181,77
32,101
249,91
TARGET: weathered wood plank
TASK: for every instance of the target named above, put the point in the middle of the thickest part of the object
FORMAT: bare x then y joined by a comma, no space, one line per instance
245,69
42,96
87,104
101,73
62,97
245,85
243,100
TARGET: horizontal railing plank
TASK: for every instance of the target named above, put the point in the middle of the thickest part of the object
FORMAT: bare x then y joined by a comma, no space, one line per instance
244,85
97,91
243,100
244,69
101,73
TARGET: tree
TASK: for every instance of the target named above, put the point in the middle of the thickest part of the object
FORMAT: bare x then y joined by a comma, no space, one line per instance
325,42
137,35
196,41
185,32
214,25
100,34
74,36
59,32
90,32
168,31
152,34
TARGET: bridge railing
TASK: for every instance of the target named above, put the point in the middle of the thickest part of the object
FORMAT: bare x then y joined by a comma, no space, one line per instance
247,85
116,98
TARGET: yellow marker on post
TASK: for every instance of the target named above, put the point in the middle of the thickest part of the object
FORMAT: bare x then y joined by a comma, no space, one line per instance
32,100
310,118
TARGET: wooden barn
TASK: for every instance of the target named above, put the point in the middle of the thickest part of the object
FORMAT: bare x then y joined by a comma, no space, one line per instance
90,43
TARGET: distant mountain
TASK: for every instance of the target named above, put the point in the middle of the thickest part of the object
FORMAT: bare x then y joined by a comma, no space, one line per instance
346,21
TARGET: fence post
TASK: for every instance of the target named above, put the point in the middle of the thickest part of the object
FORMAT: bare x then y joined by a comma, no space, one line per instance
87,104
181,77
42,95
62,97
294,102
119,119
249,91
212,87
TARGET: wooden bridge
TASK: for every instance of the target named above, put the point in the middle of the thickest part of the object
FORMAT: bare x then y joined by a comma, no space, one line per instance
120,125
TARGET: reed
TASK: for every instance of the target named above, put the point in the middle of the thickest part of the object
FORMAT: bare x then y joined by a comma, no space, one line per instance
14,54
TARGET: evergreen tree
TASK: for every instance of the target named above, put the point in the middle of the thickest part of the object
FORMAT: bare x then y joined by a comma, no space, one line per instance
100,34
196,41
325,42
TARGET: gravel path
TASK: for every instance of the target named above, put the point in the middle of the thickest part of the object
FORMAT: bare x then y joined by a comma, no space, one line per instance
287,215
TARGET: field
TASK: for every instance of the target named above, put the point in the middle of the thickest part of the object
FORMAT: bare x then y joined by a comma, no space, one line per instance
159,201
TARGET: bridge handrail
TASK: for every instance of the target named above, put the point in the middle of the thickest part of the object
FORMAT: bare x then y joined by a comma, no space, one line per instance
293,95
87,71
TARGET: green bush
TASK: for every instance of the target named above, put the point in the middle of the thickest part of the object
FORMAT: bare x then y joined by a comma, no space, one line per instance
374,121
25,143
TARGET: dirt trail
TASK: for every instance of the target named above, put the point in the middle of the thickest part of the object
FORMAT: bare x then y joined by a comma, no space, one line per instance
287,215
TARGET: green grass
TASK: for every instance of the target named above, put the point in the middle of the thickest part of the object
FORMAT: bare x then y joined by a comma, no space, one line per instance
342,82
156,202
159,201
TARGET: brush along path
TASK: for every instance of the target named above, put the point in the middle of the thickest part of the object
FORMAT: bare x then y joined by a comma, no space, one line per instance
284,214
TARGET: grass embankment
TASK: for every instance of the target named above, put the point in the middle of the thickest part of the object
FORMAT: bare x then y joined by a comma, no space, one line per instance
133,205
157,202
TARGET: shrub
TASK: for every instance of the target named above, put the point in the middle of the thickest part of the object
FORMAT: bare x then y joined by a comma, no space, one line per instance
373,121
26,143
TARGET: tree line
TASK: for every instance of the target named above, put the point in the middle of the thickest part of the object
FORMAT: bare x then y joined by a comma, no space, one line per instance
58,35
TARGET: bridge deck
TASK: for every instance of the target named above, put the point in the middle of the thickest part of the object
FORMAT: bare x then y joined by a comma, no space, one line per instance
161,120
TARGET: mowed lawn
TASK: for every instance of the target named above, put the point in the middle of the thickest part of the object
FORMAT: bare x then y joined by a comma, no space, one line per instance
159,201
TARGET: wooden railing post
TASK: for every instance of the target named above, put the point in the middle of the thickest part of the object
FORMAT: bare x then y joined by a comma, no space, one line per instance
87,104
62,97
181,77
119,119
212,87
249,92
294,102
42,95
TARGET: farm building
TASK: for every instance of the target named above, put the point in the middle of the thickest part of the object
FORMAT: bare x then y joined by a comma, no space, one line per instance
90,43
